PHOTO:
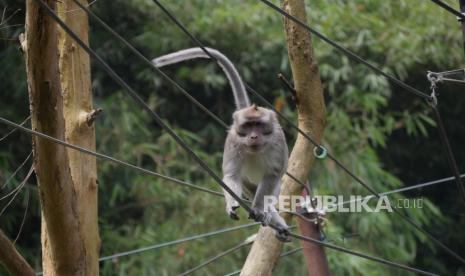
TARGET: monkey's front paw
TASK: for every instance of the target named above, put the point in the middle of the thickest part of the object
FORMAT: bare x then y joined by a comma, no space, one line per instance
232,212
260,216
283,235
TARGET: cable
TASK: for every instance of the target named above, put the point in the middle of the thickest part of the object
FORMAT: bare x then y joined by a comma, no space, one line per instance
413,187
155,116
448,8
26,130
17,187
17,170
71,11
216,257
190,185
14,129
191,238
449,153
20,186
346,51
21,128
450,72
290,252
305,187
108,158
362,255
417,186
361,182
440,76
169,243
148,62
248,241
24,218
443,134
138,100
170,80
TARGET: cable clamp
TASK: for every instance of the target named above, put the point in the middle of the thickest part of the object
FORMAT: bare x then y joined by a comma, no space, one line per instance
320,152
312,213
433,78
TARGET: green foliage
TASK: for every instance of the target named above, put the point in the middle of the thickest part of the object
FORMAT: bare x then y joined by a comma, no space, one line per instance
371,127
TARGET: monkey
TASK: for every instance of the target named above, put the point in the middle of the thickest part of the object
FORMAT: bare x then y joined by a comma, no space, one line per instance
254,161
255,151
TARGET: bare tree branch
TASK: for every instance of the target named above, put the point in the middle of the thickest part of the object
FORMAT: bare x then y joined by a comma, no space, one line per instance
12,260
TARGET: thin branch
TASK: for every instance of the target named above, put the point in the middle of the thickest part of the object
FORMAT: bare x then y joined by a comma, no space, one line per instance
12,260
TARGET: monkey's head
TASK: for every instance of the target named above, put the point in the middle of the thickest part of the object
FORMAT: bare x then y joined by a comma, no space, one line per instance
254,127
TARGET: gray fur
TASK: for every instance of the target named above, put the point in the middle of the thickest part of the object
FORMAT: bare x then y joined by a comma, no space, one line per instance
255,174
240,94
248,173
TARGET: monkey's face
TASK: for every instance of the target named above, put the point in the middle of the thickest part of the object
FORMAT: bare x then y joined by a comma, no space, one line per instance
254,128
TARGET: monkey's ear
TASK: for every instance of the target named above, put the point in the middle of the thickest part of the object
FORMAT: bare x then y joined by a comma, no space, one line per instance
275,115
255,107
235,115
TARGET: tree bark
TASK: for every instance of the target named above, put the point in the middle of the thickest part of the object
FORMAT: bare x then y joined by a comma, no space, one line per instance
311,119
12,260
58,73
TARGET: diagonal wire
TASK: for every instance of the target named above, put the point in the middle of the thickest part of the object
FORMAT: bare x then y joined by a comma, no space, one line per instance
24,218
448,8
105,157
216,257
108,158
17,170
290,252
421,185
163,74
191,238
17,190
449,153
149,63
187,184
408,188
358,254
409,88
174,242
179,140
139,101
247,242
360,181
13,130
346,51
17,187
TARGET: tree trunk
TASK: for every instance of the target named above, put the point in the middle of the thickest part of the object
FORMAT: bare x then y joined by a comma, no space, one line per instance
14,263
58,74
311,119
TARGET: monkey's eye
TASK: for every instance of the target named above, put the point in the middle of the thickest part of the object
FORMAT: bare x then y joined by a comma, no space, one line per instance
267,132
241,134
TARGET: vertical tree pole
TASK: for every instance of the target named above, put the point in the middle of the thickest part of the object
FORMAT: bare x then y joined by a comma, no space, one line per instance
58,74
311,119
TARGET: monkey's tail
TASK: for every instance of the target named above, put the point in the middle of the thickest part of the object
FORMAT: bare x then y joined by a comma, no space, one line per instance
241,98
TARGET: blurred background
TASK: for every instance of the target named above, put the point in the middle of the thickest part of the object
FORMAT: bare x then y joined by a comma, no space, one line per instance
385,135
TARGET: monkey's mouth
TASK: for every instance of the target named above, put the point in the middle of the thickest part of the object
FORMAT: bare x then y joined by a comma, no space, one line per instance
255,148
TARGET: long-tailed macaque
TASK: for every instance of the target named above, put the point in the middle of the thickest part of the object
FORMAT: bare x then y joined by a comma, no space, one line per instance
255,152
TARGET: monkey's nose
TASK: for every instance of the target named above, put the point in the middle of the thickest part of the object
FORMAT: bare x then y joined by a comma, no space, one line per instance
254,137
